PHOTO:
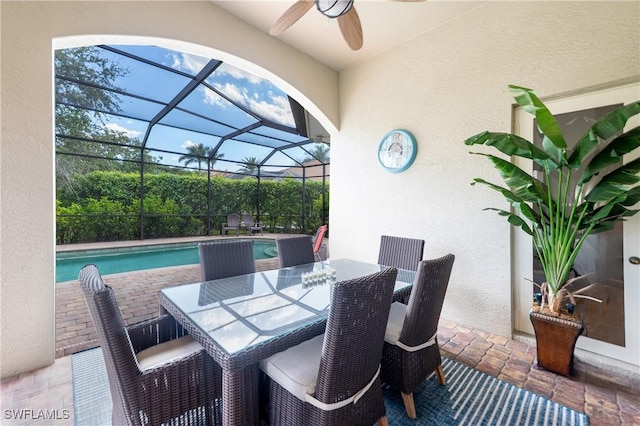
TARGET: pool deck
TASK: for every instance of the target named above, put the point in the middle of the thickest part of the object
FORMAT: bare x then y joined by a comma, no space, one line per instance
136,292
154,242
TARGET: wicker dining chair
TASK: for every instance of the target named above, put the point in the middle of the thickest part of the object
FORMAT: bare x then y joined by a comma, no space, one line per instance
403,253
332,379
411,352
226,258
294,251
157,373
400,252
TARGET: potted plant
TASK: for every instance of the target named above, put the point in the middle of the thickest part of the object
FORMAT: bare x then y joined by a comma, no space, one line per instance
560,212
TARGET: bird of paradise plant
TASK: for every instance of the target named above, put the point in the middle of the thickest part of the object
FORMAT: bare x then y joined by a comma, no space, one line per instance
560,214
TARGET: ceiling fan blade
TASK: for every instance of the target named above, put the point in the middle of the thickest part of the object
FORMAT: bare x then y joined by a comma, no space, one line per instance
291,16
351,29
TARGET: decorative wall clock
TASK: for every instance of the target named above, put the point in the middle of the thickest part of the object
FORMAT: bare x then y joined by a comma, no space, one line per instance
397,150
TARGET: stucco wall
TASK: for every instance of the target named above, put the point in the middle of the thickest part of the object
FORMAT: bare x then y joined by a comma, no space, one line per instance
30,30
444,87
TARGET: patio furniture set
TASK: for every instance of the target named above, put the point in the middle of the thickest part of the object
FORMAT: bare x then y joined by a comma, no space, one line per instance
235,222
308,343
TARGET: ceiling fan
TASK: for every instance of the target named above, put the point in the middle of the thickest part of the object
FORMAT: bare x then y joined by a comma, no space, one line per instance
344,10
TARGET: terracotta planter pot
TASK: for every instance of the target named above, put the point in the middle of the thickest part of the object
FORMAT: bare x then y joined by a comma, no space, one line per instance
555,341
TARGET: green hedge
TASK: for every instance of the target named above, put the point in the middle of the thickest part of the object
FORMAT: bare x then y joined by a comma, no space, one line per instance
105,206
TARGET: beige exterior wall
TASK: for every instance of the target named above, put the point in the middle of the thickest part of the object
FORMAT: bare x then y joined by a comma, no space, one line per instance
444,86
29,32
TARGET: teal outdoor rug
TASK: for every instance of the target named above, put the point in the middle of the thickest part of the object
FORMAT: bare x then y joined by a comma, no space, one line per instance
469,398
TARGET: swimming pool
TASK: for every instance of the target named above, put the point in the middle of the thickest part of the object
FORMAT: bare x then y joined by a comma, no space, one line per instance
138,258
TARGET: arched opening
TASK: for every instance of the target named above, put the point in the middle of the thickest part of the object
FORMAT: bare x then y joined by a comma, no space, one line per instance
177,119
158,103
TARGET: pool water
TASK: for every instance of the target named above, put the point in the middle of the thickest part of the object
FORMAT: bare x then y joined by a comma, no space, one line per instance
127,259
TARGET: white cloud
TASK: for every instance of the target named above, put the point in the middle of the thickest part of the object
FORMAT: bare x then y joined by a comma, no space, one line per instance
277,109
235,93
190,63
114,127
212,98
186,144
238,74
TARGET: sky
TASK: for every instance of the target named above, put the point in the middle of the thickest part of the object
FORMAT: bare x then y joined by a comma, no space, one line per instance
157,86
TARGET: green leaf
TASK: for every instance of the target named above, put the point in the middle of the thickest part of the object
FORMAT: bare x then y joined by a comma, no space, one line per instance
511,144
518,203
520,182
513,219
604,226
606,127
615,207
547,123
612,153
558,154
631,197
615,121
615,182
583,148
616,216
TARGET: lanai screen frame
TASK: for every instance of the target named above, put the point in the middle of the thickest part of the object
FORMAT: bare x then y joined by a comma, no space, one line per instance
258,130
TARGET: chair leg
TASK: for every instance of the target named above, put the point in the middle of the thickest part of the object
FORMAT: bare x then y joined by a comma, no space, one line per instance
382,421
440,374
409,405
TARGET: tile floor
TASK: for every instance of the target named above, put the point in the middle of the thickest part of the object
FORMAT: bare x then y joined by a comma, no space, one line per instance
48,391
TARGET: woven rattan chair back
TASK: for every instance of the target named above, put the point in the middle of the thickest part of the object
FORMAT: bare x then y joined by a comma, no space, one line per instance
426,300
118,353
400,252
226,258
352,348
407,369
294,251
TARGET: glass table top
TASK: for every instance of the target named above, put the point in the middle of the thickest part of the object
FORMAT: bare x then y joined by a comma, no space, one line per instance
243,311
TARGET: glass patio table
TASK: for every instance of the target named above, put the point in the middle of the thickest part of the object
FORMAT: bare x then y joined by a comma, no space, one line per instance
243,319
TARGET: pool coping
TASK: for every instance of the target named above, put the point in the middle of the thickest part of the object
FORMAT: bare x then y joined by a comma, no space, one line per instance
159,241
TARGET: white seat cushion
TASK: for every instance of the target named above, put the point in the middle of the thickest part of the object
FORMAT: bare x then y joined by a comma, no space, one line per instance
395,322
167,352
296,369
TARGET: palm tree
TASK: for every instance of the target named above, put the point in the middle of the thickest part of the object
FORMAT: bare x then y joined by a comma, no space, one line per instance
320,153
250,166
213,158
195,154
199,153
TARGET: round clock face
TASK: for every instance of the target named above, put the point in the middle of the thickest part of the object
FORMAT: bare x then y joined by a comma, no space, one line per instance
397,150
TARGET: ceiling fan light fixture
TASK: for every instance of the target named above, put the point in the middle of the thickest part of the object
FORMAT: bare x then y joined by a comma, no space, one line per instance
334,8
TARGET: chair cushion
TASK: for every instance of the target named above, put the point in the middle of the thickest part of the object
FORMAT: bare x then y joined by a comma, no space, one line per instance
296,369
395,322
167,352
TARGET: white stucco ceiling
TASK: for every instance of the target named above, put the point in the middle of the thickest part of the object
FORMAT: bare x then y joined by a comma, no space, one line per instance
385,24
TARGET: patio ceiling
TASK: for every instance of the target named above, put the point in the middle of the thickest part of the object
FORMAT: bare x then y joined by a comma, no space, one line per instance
168,101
